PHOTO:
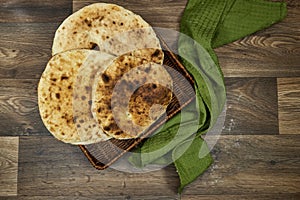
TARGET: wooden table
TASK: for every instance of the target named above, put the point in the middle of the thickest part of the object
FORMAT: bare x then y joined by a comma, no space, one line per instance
256,157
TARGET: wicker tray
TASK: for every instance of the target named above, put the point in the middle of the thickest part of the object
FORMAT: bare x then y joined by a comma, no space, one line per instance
103,154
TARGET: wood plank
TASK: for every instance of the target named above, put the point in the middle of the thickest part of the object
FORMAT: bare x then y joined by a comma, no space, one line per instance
57,169
120,197
259,166
251,106
289,105
244,197
34,10
273,52
19,114
8,165
25,49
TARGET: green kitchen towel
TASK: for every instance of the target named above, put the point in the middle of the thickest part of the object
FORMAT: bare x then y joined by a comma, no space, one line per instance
211,23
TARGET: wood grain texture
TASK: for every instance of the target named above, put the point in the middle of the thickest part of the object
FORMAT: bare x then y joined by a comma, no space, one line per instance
56,169
25,49
267,53
260,166
263,166
99,197
8,165
289,105
34,10
244,197
19,114
251,160
251,106
257,61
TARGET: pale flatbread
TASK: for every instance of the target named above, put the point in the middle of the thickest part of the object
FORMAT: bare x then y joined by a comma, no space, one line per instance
55,96
126,91
87,127
113,28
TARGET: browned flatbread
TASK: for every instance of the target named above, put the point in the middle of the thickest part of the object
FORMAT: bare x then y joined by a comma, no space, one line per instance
55,97
112,28
116,31
127,90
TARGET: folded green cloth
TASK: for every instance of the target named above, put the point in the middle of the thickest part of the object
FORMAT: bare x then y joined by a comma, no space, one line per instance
211,23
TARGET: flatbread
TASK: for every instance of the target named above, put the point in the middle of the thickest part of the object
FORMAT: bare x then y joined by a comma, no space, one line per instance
127,90
56,95
87,126
112,28
115,31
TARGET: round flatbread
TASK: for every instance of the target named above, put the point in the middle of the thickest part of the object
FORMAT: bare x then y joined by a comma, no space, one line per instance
112,28
115,31
132,93
58,86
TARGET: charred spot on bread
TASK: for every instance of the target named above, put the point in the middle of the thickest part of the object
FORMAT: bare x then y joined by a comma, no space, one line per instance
105,78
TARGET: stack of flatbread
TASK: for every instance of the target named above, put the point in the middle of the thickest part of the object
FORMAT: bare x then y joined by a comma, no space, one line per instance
117,91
